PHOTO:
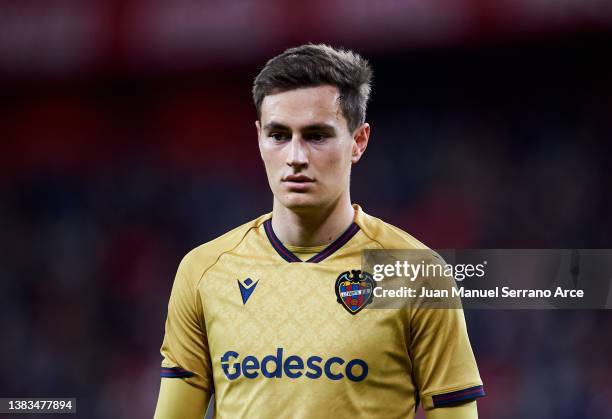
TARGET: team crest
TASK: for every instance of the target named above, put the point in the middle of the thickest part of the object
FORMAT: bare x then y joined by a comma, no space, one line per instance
354,290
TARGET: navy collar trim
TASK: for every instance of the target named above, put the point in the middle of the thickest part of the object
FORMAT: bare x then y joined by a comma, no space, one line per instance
323,254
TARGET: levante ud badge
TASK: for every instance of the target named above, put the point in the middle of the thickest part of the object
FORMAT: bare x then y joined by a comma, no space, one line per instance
354,290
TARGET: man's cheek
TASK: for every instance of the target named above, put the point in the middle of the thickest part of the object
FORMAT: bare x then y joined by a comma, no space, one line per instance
335,167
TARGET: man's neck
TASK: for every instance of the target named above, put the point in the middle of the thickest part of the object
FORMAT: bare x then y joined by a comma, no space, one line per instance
312,227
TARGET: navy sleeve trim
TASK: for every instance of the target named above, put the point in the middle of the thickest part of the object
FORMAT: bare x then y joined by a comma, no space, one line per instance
176,372
458,396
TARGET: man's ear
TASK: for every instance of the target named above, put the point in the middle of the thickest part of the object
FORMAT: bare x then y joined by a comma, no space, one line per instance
360,141
258,126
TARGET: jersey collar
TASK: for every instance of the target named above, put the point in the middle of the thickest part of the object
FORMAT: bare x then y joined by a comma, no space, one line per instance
323,254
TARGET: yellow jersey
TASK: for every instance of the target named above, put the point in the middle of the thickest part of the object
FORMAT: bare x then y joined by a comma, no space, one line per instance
277,337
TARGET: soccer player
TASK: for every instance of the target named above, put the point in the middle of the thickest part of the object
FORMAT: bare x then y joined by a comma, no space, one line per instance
256,316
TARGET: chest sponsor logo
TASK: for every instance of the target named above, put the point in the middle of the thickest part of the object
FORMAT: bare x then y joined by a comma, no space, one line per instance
294,367
246,289
354,290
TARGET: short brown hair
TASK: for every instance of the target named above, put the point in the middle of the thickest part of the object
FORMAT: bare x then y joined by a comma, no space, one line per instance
313,65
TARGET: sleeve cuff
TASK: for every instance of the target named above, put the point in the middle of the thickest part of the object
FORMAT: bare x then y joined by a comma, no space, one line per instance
175,372
450,397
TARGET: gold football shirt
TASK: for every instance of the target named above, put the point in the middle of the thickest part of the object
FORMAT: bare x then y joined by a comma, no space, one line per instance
269,335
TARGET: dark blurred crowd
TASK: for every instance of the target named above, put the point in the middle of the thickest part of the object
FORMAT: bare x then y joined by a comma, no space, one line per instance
107,183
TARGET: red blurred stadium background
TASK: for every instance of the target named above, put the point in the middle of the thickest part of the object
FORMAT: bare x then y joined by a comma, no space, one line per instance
128,138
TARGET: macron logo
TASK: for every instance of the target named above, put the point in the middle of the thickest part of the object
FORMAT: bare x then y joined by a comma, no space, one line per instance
246,289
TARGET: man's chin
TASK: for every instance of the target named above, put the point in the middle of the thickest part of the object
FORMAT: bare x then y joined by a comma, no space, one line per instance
300,202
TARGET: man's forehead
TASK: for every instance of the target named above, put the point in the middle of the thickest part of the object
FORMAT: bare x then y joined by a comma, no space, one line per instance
303,106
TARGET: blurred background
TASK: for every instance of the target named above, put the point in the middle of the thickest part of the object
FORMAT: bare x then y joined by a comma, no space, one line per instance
127,138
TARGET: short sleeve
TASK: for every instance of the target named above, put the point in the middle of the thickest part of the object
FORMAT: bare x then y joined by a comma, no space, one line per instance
185,346
444,366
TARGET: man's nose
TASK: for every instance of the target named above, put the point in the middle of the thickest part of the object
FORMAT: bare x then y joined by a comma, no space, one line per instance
297,155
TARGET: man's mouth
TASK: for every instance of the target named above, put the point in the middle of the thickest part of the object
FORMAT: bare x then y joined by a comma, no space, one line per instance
298,182
298,179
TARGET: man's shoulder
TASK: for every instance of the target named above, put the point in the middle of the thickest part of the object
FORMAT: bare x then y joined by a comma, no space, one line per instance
390,237
387,235
205,255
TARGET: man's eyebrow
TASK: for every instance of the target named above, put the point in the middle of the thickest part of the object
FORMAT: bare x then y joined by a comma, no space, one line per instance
319,127
312,127
275,125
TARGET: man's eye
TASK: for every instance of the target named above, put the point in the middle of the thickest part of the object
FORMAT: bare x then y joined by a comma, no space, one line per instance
317,136
277,136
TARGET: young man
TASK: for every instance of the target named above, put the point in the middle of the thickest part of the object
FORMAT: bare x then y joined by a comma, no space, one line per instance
254,315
